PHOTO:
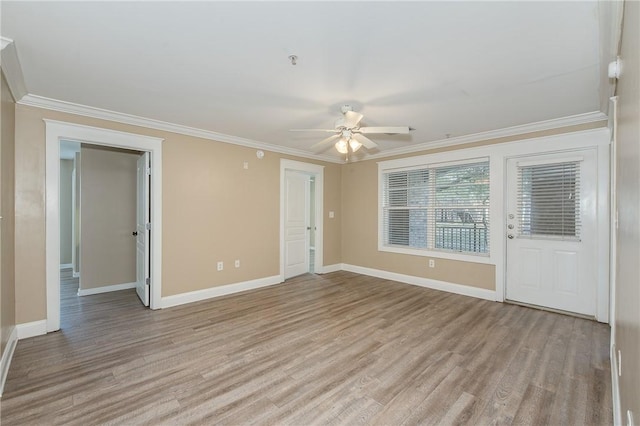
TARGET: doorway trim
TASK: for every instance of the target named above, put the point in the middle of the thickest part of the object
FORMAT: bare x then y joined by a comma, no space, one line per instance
59,130
317,172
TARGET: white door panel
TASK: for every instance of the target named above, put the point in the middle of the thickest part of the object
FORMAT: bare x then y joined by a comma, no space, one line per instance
551,230
296,222
143,234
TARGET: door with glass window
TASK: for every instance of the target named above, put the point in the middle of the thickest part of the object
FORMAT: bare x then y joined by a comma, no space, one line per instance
551,231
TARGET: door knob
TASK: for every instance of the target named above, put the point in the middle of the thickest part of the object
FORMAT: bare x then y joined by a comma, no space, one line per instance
134,233
510,236
308,228
510,226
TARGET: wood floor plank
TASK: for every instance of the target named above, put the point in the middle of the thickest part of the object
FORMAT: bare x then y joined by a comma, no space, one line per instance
334,349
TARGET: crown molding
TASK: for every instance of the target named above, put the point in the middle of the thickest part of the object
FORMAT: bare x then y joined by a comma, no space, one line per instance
555,123
4,42
12,69
134,120
87,111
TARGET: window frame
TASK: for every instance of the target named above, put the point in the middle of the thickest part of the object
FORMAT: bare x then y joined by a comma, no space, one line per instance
433,162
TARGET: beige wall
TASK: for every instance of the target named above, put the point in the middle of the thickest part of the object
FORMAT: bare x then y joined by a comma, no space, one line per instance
7,279
213,209
627,297
108,217
360,224
360,236
66,210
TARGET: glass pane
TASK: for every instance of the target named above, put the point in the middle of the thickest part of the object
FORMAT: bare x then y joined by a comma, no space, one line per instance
462,230
548,200
461,215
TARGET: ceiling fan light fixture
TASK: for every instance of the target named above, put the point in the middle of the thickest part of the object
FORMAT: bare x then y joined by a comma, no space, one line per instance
342,146
354,144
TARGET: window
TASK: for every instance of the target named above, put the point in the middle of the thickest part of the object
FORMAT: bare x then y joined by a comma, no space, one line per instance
549,200
444,207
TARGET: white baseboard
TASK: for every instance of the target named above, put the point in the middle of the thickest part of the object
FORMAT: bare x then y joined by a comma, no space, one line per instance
66,266
31,329
6,357
209,293
464,290
331,268
615,386
76,275
105,289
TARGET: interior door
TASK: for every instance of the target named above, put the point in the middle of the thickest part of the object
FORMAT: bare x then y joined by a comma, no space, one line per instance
551,231
296,224
142,231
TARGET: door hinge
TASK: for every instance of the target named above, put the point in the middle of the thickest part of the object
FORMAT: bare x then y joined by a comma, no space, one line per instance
147,281
149,171
147,226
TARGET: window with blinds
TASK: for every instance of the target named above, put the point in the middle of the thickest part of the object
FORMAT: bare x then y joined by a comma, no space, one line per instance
438,208
549,200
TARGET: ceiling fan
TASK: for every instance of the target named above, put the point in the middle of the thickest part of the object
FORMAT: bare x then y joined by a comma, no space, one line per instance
349,135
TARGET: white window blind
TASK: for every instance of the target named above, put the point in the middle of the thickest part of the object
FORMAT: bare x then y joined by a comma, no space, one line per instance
549,200
406,196
438,208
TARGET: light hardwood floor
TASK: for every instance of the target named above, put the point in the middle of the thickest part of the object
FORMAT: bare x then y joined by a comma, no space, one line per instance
340,348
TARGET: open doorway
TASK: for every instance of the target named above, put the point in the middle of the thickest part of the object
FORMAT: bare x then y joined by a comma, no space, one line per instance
59,131
104,210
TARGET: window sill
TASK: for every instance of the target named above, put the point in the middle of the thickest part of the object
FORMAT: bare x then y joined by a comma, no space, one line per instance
442,254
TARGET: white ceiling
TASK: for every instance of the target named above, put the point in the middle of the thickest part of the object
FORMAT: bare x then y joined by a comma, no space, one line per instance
444,68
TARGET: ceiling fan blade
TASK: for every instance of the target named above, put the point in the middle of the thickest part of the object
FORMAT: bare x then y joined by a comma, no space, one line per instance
351,119
388,130
368,143
314,130
325,143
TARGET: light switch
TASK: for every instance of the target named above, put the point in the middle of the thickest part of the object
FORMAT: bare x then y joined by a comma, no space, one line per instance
332,215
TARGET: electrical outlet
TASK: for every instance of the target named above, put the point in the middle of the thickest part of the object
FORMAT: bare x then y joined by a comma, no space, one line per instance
432,263
237,263
220,266
332,215
245,165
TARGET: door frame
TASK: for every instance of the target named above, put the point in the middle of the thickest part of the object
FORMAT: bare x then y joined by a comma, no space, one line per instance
317,172
59,130
597,140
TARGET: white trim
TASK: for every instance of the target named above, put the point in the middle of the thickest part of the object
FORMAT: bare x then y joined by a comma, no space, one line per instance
613,209
555,123
603,224
331,268
4,42
56,131
465,290
615,386
12,69
318,172
134,120
66,266
105,289
7,355
223,290
31,329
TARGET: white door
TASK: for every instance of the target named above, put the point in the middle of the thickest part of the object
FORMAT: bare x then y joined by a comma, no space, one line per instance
142,236
296,224
551,231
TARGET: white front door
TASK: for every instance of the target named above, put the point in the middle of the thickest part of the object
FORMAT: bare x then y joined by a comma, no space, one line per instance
552,231
296,223
143,233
